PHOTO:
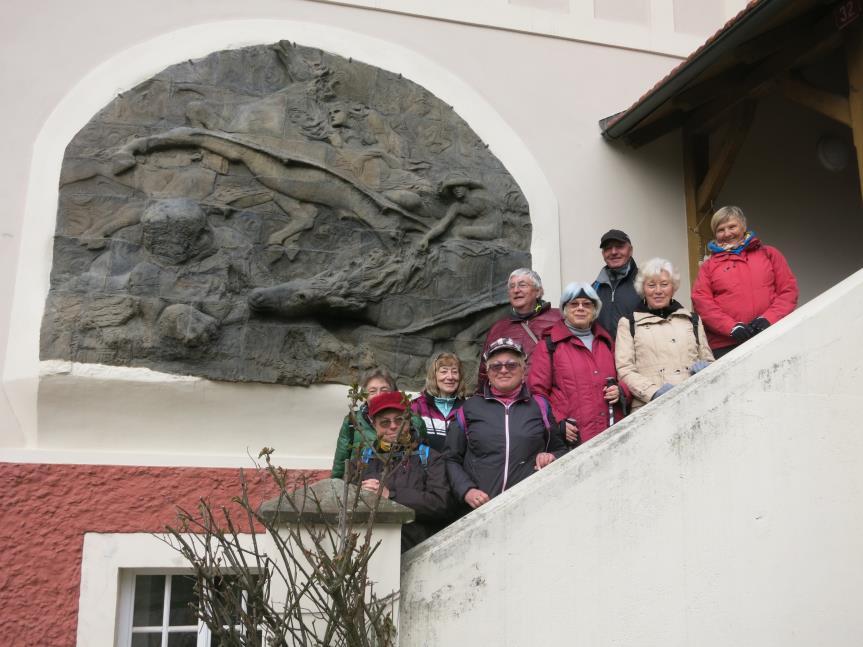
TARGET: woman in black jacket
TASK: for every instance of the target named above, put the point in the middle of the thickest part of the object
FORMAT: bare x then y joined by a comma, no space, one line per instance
503,436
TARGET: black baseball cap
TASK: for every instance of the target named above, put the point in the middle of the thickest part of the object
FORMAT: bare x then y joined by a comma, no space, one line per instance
614,234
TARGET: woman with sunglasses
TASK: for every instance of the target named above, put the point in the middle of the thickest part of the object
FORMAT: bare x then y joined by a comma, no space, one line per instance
502,436
574,368
403,468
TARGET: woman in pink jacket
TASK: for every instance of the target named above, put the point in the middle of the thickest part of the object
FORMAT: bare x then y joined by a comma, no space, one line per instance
573,367
744,287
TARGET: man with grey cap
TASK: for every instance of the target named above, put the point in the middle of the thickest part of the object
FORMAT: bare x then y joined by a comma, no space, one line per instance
615,284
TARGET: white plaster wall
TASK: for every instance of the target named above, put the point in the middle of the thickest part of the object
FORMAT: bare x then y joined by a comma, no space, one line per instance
814,216
536,100
726,513
674,27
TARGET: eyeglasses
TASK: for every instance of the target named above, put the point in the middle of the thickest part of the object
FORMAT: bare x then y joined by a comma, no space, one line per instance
497,367
583,304
397,421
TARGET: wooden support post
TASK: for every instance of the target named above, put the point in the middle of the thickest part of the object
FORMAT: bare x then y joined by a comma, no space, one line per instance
854,62
704,175
693,157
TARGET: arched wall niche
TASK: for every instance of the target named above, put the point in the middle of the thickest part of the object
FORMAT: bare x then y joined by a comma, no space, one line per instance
135,65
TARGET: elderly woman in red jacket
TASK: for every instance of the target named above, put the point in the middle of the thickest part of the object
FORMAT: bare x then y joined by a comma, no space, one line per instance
744,287
574,368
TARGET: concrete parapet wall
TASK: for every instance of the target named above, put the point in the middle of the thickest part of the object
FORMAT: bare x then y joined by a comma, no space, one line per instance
726,513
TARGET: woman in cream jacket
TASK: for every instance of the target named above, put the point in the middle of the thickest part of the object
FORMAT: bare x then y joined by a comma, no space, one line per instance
663,343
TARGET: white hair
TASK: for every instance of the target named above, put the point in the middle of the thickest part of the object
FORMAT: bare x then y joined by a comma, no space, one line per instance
655,267
529,273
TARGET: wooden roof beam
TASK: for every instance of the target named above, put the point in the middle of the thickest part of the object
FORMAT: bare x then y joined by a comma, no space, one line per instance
768,43
761,78
746,56
732,136
831,105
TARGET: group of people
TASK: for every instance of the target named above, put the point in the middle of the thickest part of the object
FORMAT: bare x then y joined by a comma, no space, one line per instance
551,379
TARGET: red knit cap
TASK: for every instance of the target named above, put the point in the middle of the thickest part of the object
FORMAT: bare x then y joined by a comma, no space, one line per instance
386,400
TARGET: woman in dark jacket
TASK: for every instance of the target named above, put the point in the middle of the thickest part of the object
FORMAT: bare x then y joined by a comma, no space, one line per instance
574,368
744,287
404,469
503,436
443,394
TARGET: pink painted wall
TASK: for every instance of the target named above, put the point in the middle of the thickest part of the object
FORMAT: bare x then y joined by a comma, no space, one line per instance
47,509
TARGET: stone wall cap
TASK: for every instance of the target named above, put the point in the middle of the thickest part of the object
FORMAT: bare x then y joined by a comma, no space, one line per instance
322,501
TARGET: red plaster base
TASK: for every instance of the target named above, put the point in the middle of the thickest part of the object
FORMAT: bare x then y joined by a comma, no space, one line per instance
46,510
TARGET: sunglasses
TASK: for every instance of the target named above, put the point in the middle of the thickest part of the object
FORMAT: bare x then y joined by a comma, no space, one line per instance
497,367
396,421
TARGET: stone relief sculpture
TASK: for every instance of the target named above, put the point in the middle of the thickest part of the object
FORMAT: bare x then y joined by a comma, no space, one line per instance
279,214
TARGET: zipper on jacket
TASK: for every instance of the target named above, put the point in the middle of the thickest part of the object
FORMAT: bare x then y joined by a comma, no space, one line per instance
506,436
506,454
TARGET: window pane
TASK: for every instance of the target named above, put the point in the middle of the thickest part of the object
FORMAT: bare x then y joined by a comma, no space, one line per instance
183,640
149,598
182,595
147,640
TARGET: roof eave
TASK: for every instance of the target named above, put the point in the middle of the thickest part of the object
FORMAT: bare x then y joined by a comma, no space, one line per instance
739,31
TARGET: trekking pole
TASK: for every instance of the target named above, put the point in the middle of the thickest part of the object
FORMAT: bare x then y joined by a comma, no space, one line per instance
609,382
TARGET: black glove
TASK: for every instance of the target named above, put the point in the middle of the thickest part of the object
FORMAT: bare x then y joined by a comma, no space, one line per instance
759,324
741,332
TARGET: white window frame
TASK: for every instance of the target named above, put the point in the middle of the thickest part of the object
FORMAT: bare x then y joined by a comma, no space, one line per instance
108,566
126,605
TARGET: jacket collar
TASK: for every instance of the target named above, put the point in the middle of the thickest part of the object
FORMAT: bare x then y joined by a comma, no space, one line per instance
604,279
644,316
523,393
674,306
750,242
541,306
560,332
429,398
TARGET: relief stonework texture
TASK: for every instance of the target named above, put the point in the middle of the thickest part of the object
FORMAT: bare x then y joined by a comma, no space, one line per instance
279,214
